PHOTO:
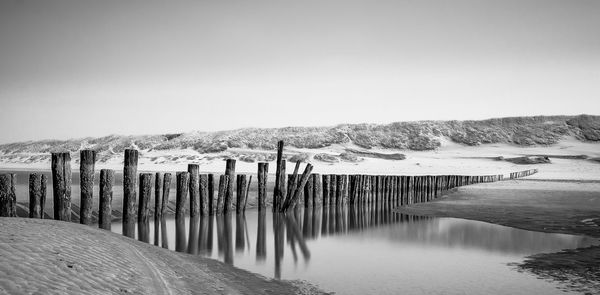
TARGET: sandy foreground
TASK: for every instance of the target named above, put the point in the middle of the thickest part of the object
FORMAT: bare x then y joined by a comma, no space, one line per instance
570,207
54,257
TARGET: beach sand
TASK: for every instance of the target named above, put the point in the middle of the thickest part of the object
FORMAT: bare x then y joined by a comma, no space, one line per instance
54,257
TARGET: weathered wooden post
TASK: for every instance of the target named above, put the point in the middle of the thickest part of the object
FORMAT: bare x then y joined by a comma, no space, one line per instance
345,189
326,192
183,183
367,190
87,160
263,174
8,198
291,201
145,193
308,193
194,189
317,190
240,193
204,195
373,188
279,191
211,196
247,193
129,190
230,172
350,189
35,196
158,182
166,190
292,180
43,196
339,189
332,189
61,185
223,184
107,180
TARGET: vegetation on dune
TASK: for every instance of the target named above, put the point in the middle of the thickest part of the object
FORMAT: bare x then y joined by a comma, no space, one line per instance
421,135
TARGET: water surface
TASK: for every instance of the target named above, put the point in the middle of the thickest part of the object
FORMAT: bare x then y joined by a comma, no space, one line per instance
368,251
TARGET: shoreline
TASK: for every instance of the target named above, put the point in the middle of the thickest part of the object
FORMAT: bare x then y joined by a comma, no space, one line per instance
549,206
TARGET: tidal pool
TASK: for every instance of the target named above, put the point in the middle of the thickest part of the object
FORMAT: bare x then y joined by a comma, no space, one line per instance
368,251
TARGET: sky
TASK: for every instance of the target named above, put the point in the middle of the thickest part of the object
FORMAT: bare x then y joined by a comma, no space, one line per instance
78,68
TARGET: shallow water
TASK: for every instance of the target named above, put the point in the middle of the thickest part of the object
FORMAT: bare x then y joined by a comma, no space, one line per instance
368,251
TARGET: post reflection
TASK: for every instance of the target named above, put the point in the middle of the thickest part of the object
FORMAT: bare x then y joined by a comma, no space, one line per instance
292,230
163,233
144,231
261,237
192,247
180,237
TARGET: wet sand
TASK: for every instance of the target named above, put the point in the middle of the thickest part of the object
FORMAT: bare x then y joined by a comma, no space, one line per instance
570,207
53,257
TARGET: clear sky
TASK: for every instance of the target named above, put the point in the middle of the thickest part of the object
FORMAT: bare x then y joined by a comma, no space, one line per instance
76,68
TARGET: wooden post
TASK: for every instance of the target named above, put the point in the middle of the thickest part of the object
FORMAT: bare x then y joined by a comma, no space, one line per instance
240,193
326,191
211,194
129,189
230,172
8,198
292,180
107,180
158,182
263,174
87,160
61,185
308,193
145,193
204,195
183,183
223,184
35,195
166,190
279,191
339,188
246,193
317,190
290,202
43,196
194,189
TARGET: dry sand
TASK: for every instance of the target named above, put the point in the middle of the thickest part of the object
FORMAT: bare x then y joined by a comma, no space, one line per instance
53,257
570,207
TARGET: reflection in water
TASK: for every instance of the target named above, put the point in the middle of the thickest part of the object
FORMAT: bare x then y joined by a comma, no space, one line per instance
193,235
144,231
203,235
240,233
180,238
388,247
261,237
163,233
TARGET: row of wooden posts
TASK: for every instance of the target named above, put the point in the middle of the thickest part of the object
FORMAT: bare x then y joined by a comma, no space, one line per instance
515,175
306,189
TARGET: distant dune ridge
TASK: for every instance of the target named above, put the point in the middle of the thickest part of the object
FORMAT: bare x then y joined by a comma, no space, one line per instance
260,142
